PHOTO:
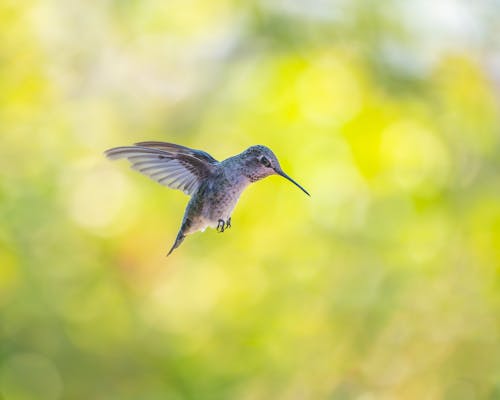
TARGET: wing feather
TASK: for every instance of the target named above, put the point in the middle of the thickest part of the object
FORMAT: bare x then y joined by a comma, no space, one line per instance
171,165
176,148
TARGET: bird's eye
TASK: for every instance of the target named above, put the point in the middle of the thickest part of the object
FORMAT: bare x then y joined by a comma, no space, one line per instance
265,162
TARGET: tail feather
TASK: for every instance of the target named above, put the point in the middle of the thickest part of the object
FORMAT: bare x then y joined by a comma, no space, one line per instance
178,241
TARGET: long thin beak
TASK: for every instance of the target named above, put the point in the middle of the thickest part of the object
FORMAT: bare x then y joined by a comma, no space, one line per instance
280,172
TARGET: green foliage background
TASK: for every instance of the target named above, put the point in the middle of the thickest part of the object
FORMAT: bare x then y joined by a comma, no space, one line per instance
383,285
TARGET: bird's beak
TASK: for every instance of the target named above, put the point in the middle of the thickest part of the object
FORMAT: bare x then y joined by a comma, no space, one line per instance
280,172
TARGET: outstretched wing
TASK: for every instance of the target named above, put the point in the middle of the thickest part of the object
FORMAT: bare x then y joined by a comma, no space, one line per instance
177,148
169,164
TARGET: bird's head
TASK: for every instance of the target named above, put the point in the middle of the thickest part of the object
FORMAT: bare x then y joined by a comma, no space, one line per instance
261,162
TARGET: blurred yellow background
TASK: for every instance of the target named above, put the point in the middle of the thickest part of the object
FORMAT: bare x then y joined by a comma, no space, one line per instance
383,285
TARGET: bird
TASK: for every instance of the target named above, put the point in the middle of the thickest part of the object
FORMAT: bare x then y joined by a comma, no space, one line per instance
214,186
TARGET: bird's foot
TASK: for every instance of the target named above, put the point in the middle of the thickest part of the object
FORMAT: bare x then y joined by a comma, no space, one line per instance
221,225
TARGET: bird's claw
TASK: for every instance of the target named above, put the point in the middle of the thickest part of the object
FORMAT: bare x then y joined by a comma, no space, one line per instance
223,225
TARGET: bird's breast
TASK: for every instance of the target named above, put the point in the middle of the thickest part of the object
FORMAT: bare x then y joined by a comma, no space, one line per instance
223,199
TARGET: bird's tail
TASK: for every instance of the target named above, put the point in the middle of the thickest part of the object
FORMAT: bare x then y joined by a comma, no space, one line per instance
178,241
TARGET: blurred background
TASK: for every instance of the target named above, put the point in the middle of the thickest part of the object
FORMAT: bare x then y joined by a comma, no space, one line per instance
385,284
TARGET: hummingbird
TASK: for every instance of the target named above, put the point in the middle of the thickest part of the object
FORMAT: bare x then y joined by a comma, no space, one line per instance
214,186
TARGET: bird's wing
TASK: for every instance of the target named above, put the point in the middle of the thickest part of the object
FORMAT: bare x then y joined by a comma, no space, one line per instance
176,148
171,165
